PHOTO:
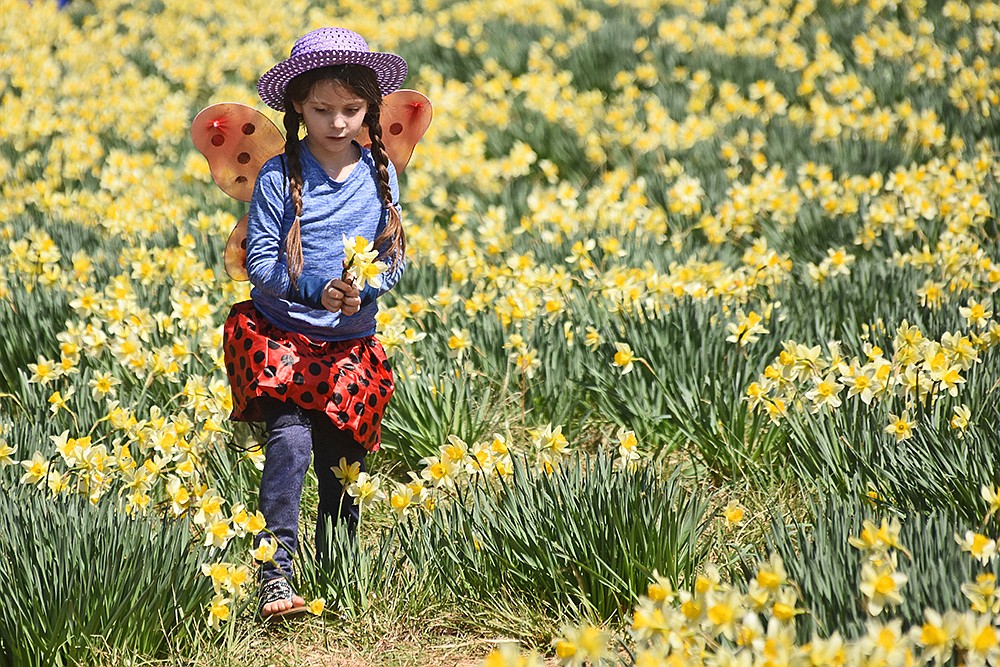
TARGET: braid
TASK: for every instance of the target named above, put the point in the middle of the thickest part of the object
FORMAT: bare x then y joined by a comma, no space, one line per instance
393,229
293,242
363,81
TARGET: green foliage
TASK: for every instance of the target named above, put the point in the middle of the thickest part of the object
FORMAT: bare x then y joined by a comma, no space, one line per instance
847,453
595,63
559,392
586,537
20,345
230,468
874,291
354,577
826,568
692,389
425,409
80,578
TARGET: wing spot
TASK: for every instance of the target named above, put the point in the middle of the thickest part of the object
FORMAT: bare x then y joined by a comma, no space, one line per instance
395,128
243,158
249,128
218,139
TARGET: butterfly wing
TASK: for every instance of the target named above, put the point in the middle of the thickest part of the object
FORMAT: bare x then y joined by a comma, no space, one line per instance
237,140
405,117
236,252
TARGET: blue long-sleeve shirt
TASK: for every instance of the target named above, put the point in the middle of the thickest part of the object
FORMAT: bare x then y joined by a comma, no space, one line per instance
330,210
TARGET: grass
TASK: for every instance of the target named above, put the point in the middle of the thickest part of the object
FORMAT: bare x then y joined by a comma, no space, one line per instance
394,641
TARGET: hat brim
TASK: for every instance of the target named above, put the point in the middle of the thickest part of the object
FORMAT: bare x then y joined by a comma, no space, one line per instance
390,71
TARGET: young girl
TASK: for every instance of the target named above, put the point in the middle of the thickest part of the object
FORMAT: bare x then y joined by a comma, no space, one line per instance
301,354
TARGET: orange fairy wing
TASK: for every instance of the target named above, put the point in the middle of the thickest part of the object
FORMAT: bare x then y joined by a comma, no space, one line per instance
406,115
236,140
236,252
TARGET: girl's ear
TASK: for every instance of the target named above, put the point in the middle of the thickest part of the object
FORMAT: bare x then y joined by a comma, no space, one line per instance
297,106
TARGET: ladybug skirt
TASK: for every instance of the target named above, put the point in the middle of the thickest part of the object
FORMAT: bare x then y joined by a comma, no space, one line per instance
351,381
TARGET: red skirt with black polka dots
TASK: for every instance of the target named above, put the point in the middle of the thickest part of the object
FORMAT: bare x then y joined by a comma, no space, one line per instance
351,381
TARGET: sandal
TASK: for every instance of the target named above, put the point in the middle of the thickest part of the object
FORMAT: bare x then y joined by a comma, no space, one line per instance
274,590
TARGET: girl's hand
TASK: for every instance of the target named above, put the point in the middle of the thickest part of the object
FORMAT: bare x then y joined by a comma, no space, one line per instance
340,296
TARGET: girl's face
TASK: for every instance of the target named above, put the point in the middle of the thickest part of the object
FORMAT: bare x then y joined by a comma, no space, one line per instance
333,116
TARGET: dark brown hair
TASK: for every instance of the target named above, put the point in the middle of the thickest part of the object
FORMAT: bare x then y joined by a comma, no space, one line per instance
361,81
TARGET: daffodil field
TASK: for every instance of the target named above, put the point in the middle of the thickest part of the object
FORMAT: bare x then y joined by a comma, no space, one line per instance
696,348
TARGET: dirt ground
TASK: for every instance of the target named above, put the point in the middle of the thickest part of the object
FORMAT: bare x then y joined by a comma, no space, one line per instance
312,646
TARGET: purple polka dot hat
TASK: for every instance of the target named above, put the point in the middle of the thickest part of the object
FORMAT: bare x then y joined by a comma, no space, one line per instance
324,47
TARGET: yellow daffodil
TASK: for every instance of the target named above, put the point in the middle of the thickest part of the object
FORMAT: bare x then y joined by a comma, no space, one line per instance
983,594
825,393
218,533
35,469
346,473
881,585
439,472
937,635
771,574
209,505
976,313
724,613
361,263
580,645
628,447
734,513
875,542
981,547
508,655
103,384
44,371
551,440
480,460
255,523
218,572
365,490
901,426
592,338
264,552
456,450
459,342
401,499
6,453
623,357
961,417
218,610
746,330
59,402
236,579
784,608
358,246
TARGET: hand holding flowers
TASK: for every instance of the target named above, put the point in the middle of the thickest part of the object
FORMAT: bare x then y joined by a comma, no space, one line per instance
360,270
340,296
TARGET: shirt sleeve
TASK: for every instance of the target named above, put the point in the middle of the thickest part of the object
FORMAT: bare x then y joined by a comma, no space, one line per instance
393,274
266,266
